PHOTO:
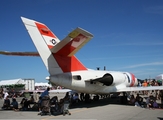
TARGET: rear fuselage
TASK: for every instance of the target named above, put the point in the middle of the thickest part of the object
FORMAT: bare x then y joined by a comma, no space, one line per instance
94,81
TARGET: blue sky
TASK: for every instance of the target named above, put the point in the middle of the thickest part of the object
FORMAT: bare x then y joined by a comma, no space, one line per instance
128,34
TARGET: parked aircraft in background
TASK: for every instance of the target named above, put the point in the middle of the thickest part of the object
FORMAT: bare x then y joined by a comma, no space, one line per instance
66,70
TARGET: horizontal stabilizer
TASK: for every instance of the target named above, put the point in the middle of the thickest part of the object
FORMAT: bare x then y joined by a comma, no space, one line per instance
72,43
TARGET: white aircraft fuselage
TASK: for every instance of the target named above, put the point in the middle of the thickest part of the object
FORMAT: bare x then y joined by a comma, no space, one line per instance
83,81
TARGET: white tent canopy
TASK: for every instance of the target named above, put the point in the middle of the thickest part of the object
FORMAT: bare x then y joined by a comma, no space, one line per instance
159,77
42,84
11,82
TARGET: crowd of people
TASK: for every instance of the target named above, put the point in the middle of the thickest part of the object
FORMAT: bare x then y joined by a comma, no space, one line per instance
36,100
25,103
7,103
152,96
147,83
149,100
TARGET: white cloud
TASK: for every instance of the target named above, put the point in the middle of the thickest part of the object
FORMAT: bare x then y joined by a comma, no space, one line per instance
145,64
119,57
133,44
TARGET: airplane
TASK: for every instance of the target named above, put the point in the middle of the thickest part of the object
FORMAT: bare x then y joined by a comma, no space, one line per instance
66,70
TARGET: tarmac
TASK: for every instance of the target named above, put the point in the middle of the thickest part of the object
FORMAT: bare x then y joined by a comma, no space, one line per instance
104,109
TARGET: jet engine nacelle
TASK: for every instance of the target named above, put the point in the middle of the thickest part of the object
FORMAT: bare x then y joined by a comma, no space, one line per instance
116,78
107,79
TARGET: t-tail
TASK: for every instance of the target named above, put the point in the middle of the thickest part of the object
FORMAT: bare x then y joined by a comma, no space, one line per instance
58,56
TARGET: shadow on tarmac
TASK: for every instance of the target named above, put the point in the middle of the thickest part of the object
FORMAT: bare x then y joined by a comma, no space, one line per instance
160,118
100,102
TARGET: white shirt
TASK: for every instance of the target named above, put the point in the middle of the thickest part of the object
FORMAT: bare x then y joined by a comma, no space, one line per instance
6,94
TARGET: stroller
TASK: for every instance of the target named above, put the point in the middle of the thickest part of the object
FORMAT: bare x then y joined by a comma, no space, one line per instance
66,103
54,105
45,106
66,109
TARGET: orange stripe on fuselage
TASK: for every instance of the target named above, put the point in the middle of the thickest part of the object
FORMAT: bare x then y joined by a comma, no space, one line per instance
132,80
44,30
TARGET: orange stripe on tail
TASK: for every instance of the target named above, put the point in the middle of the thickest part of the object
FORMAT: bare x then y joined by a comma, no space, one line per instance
69,64
44,30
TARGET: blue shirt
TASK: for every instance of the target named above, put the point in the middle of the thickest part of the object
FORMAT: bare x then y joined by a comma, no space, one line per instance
46,92
14,104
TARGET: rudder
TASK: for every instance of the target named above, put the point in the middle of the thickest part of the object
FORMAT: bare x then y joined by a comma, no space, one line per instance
43,40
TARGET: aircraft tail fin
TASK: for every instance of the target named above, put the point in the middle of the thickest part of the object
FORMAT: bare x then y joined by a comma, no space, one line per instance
44,40
65,50
57,56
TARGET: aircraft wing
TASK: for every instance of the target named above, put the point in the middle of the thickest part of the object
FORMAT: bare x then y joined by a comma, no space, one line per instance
51,91
127,89
20,53
60,90
40,91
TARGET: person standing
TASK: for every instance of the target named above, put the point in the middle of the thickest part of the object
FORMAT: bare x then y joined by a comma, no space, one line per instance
46,92
41,98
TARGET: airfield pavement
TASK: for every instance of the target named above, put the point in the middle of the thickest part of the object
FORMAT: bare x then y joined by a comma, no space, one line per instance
96,110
